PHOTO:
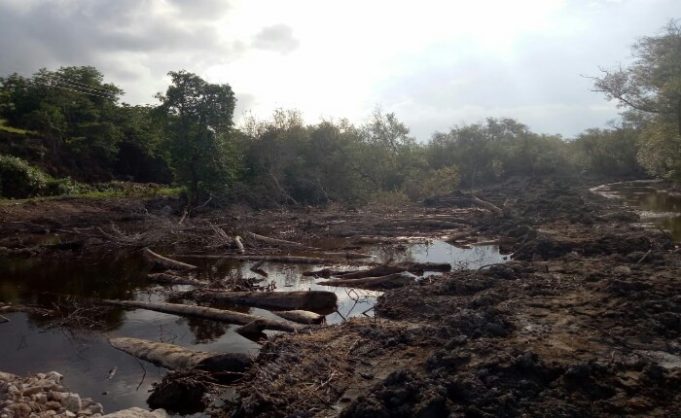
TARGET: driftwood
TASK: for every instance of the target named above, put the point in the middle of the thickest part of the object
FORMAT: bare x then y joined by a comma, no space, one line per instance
165,355
486,205
346,254
383,270
314,300
221,315
165,262
167,278
253,331
301,317
239,244
278,242
327,273
273,258
390,281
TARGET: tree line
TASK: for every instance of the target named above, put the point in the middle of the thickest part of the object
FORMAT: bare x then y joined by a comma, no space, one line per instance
189,139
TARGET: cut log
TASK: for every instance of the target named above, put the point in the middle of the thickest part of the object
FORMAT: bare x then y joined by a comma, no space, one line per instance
253,331
175,357
301,317
326,273
239,244
346,254
383,270
278,242
390,281
314,300
165,262
221,315
372,272
273,258
486,205
167,278
165,355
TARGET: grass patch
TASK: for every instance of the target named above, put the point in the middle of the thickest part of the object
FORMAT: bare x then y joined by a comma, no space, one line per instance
5,127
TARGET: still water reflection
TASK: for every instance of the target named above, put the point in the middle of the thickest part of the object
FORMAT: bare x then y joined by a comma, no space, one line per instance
32,343
654,201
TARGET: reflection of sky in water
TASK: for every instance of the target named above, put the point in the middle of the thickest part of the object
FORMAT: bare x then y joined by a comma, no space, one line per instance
655,205
85,359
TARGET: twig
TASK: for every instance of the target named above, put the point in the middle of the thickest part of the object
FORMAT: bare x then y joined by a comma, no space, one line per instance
640,260
144,369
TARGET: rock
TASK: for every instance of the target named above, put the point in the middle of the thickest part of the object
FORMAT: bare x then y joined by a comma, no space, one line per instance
623,270
56,377
72,402
137,413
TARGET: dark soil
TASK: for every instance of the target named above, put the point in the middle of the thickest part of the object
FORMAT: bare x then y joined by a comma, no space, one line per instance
584,321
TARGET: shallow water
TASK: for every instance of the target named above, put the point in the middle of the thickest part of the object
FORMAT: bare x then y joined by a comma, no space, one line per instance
31,343
654,203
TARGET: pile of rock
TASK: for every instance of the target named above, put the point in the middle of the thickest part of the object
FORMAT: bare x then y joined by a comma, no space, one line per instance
42,395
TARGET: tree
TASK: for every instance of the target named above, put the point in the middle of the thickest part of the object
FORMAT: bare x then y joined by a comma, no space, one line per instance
651,86
198,120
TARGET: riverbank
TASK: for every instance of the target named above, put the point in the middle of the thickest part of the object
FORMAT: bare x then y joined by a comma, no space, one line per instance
584,321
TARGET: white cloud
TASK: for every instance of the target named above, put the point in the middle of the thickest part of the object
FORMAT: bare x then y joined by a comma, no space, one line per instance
435,63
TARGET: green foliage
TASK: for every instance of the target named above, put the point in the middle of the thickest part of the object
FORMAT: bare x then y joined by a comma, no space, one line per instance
198,121
18,179
651,88
495,150
5,127
610,152
660,150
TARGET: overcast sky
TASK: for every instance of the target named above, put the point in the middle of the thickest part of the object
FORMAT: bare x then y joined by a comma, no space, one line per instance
436,64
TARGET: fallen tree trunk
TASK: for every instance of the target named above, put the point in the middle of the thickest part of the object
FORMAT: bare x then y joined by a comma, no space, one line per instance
390,281
221,315
167,278
175,357
486,205
239,244
278,242
383,270
300,316
326,273
165,355
272,258
314,300
346,254
165,262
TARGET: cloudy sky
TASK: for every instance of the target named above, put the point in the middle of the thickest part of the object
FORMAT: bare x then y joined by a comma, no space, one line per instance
436,64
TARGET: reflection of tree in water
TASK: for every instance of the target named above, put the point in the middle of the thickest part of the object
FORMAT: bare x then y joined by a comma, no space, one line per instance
205,330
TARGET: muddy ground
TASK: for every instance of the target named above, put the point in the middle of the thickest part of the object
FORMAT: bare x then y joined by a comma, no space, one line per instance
584,321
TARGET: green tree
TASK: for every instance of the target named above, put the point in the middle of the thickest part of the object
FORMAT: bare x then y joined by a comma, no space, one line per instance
198,121
651,85
72,107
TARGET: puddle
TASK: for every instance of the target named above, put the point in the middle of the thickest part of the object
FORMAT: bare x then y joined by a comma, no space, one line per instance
436,251
31,343
655,204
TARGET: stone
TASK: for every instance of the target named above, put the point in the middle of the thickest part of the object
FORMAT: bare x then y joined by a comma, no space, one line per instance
57,377
137,413
622,270
72,402
53,405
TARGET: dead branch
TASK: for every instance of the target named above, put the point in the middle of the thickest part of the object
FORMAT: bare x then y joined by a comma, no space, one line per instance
166,262
221,315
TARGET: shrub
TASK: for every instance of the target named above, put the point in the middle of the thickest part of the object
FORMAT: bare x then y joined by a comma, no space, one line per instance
18,179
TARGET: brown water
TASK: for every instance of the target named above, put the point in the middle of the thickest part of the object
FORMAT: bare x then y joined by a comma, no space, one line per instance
655,203
31,343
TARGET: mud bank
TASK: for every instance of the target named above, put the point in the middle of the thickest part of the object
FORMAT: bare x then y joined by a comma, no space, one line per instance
583,321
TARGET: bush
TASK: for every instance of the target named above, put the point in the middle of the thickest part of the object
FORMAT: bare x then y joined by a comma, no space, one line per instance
18,179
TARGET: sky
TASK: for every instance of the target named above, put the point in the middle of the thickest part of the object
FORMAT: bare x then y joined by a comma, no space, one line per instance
435,64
